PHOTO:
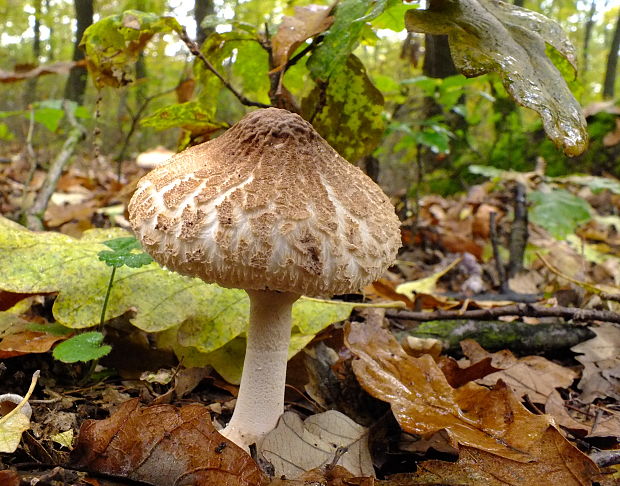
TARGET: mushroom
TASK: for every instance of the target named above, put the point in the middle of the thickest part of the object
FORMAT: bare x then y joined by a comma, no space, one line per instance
271,208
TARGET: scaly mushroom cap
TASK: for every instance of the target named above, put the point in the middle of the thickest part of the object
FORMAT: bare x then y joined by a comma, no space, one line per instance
267,205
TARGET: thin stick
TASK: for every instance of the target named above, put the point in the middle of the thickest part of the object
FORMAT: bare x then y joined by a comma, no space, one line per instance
195,50
517,310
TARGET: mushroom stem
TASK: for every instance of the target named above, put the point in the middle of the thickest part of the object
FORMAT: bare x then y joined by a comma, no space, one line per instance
261,394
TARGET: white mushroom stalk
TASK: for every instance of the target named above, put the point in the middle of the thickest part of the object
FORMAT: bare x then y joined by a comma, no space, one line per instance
271,208
261,395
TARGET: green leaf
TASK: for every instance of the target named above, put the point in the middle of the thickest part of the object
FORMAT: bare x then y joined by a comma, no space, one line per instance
5,133
83,347
202,317
488,36
559,212
123,253
113,44
393,17
486,171
54,329
192,116
343,36
350,116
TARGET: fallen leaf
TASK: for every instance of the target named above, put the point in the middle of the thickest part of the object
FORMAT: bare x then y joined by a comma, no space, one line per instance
163,445
557,462
534,376
425,285
600,357
15,416
296,446
9,478
458,376
481,422
556,407
29,342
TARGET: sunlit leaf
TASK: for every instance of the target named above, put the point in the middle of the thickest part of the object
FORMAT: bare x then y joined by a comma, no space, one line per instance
113,44
350,116
493,36
192,116
343,36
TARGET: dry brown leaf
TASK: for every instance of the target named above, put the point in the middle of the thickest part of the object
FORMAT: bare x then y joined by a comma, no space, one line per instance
532,375
613,137
556,407
62,67
29,342
296,446
557,462
327,476
601,360
164,445
9,478
488,423
307,22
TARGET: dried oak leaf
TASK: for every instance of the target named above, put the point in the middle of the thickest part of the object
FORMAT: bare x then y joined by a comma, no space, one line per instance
307,22
164,445
484,423
534,376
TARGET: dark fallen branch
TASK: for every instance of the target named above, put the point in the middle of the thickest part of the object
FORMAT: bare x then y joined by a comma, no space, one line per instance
519,337
517,310
195,50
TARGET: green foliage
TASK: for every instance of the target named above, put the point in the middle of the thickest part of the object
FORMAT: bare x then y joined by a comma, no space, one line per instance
54,329
191,116
48,113
83,347
125,251
198,316
511,41
113,44
350,115
343,36
558,211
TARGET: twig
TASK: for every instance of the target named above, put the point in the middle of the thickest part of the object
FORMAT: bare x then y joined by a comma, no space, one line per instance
34,215
606,458
518,233
499,264
517,310
195,50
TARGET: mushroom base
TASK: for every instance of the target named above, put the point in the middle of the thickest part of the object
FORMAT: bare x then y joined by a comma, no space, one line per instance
261,394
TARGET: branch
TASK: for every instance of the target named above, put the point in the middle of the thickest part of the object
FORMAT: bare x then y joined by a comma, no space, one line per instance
195,50
517,310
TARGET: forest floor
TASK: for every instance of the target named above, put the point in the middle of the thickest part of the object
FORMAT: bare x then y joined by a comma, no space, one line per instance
490,372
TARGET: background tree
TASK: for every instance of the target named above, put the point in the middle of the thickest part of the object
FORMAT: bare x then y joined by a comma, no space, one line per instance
76,83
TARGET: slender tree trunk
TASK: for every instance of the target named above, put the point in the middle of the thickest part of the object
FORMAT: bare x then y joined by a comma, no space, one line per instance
202,8
612,63
519,3
76,84
587,35
31,84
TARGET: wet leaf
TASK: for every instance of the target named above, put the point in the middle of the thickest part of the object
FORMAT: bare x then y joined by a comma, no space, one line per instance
113,44
83,347
297,446
163,445
349,112
488,36
490,422
307,22
29,342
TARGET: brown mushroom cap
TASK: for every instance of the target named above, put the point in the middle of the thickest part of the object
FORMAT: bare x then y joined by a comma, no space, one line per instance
267,205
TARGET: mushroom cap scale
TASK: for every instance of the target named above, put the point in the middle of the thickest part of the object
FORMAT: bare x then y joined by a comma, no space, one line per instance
267,205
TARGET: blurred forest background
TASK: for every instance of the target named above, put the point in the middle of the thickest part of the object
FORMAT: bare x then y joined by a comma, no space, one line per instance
423,123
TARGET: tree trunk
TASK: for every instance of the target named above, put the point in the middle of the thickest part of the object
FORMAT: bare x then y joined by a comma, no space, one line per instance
76,84
612,63
587,35
31,84
202,8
